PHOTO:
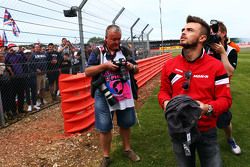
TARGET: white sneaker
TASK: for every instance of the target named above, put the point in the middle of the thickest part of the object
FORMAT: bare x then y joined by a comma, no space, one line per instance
29,108
36,107
235,148
38,103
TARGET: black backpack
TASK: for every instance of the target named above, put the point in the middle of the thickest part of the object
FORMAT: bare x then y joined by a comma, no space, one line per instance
128,55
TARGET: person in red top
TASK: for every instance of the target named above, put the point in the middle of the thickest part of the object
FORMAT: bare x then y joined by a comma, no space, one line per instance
205,80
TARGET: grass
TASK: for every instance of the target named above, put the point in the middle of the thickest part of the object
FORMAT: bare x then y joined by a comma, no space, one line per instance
151,140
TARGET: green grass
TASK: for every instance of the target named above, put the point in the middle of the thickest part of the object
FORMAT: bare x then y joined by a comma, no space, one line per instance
151,140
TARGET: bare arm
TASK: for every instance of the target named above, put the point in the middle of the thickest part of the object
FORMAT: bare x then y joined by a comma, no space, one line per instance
218,48
229,68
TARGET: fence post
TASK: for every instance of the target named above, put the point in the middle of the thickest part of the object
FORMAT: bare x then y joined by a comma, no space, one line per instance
142,32
119,13
132,37
148,47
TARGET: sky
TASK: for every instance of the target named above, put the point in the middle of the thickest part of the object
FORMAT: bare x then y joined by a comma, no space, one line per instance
234,13
97,14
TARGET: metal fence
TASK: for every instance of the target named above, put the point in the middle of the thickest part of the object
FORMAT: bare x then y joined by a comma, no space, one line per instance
29,73
29,82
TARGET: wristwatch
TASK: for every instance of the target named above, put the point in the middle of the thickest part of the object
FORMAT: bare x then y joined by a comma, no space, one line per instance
209,110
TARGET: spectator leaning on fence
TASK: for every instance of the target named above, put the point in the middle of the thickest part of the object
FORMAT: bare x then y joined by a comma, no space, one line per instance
190,74
53,59
65,65
107,77
66,47
39,65
228,56
15,62
77,63
31,84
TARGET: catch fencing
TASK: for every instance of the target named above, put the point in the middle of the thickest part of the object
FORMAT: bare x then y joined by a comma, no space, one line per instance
44,23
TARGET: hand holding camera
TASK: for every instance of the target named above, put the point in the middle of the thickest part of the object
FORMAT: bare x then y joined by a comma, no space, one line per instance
218,48
111,66
122,64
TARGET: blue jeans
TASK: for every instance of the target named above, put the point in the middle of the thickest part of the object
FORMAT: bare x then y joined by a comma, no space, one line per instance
207,148
104,118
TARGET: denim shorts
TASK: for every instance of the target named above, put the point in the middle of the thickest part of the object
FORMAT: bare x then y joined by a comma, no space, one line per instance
104,118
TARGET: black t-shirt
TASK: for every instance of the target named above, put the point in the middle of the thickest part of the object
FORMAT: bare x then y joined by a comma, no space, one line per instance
53,56
231,55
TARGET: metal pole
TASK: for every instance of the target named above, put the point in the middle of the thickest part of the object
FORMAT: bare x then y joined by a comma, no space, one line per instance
131,30
119,13
82,4
148,47
81,34
161,27
143,31
139,38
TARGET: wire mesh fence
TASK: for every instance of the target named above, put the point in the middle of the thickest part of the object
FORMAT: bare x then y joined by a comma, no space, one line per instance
46,44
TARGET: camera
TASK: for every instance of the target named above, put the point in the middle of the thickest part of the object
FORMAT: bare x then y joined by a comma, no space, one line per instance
121,63
214,38
100,84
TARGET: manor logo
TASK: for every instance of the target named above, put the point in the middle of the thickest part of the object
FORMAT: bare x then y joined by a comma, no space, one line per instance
200,76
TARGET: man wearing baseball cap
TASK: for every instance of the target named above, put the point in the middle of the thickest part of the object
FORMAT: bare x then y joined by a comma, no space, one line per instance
15,62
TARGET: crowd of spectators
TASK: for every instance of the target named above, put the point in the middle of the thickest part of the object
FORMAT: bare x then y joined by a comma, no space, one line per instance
29,76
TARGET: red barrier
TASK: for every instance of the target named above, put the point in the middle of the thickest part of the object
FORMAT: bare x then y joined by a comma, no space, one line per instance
150,67
76,102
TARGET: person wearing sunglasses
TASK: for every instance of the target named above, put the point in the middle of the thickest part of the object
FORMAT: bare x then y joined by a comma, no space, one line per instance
204,79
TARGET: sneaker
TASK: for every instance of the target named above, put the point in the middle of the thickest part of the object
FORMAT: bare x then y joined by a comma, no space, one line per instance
132,155
235,148
58,93
38,103
105,162
36,107
29,108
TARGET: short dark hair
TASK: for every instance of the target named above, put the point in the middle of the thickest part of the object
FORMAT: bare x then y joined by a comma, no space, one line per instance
114,27
50,44
222,26
205,27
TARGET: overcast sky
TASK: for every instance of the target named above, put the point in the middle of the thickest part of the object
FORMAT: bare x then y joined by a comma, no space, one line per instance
97,14
234,13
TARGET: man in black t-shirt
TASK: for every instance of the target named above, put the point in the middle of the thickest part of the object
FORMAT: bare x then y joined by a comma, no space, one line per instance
53,59
228,56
